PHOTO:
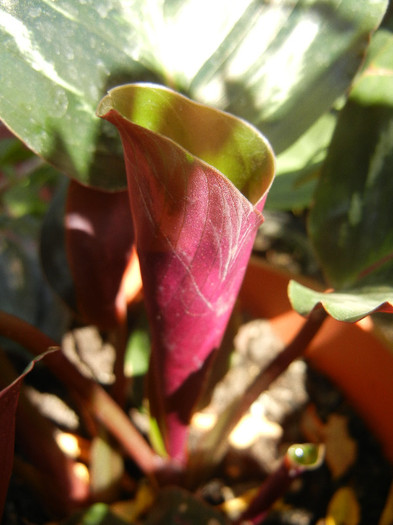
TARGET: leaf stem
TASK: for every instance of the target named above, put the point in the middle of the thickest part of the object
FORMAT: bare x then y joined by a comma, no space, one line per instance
294,350
37,434
297,460
272,488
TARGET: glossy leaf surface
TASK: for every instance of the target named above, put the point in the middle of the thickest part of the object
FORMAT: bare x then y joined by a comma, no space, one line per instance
299,166
351,224
195,224
280,65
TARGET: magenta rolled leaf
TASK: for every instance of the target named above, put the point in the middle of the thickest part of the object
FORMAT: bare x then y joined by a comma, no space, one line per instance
198,179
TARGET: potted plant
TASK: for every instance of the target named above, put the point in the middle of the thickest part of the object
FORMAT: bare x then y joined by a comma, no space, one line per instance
177,227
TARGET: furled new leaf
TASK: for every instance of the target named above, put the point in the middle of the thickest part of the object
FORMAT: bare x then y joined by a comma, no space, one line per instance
198,179
278,64
351,223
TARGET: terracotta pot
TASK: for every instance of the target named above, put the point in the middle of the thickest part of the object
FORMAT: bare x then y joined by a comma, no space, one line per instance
355,358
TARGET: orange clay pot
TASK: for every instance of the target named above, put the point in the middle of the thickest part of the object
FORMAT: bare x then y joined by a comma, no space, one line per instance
355,358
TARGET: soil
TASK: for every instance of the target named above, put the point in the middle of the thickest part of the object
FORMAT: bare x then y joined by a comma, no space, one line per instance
301,406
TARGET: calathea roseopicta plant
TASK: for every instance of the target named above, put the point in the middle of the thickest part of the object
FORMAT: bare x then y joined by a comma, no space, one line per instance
194,211
196,186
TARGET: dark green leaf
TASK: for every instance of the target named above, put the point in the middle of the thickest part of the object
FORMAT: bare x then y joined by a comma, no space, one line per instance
351,223
280,65
63,56
53,249
301,58
298,167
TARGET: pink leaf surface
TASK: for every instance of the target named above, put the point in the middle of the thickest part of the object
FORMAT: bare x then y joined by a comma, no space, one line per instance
8,404
194,234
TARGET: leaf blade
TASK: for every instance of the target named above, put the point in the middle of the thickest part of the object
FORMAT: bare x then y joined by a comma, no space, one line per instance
194,233
63,56
351,225
349,306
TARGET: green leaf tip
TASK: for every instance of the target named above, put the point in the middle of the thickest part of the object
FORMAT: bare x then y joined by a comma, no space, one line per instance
229,144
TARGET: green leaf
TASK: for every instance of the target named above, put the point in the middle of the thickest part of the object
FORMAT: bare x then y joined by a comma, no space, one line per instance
351,222
24,290
299,166
348,306
280,65
53,253
226,143
63,56
299,62
106,468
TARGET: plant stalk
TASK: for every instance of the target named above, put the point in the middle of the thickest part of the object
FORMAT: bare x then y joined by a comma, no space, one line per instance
272,488
294,350
37,434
